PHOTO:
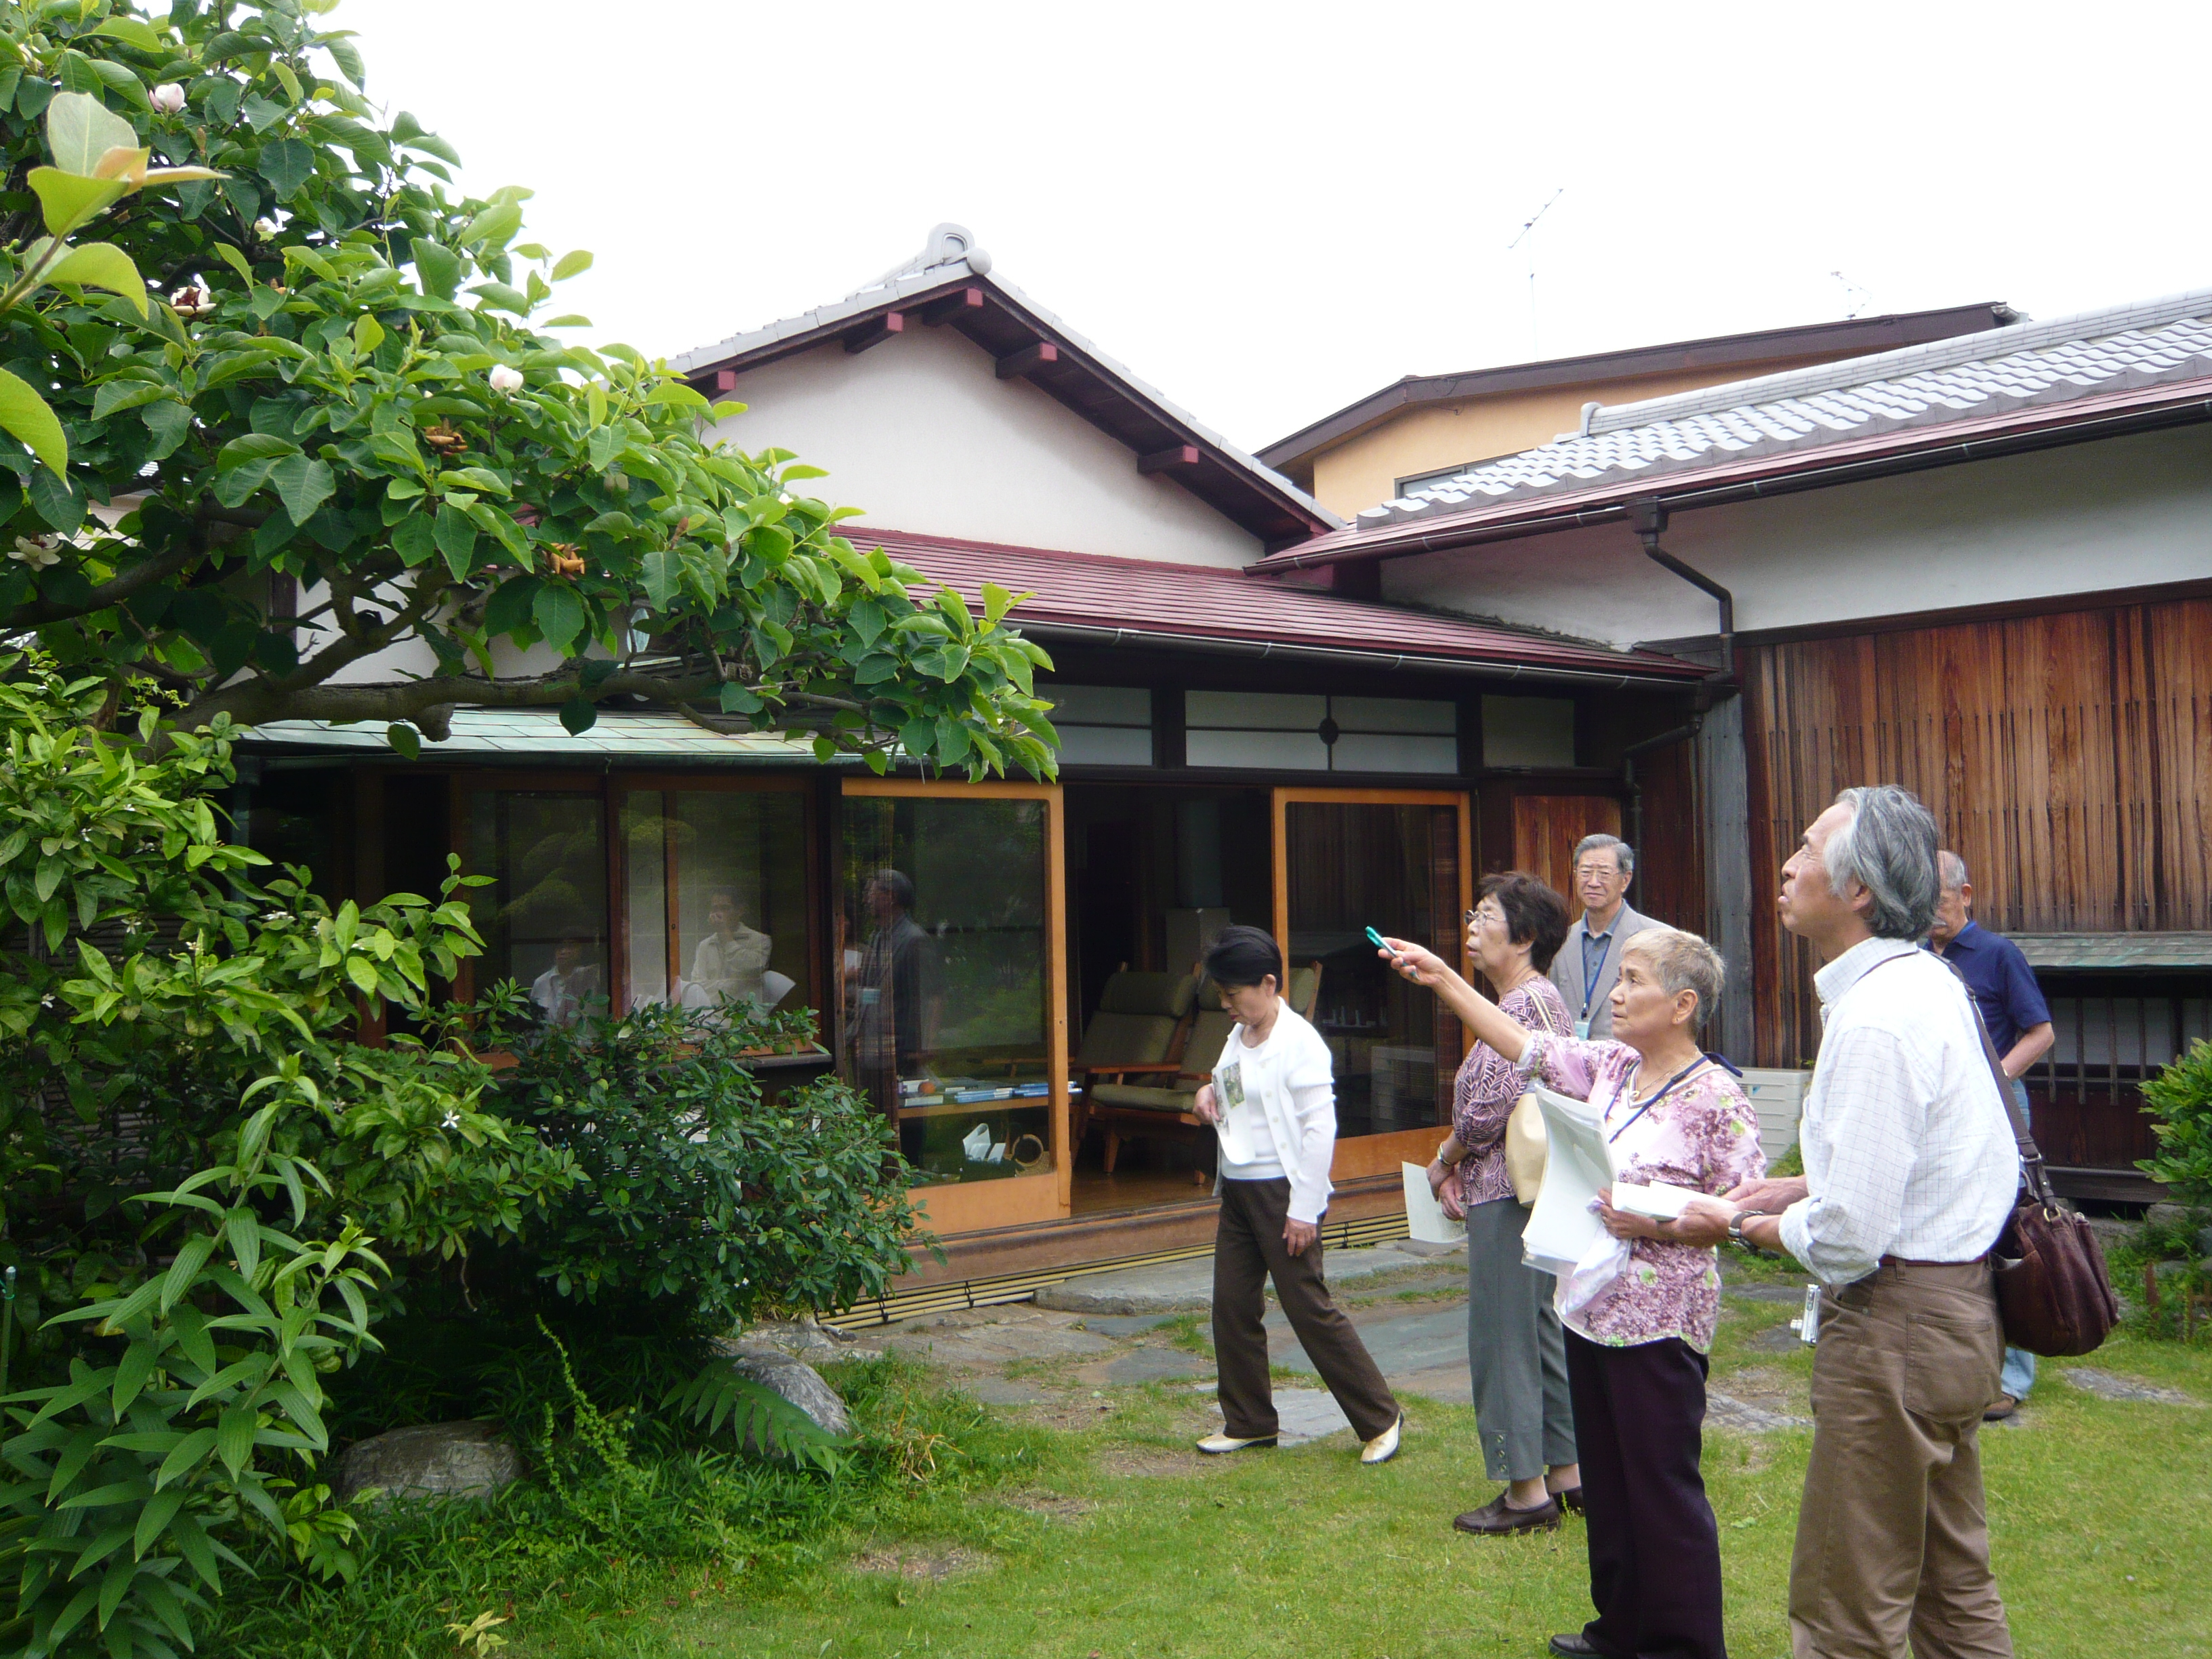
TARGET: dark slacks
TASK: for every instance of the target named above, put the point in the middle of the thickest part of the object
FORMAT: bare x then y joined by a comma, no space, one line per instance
1655,1550
1248,1251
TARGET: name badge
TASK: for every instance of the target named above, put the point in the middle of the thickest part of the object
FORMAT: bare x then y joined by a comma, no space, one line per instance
1582,1030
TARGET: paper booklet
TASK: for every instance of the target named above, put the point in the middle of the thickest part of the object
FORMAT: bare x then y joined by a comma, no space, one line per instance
1562,1228
1425,1220
1661,1200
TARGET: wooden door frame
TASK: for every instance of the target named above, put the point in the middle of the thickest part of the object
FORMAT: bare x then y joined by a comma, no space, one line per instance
960,1208
1378,1154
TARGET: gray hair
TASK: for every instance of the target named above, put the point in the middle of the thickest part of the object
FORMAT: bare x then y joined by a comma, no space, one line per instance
1951,869
1683,961
1888,847
1624,856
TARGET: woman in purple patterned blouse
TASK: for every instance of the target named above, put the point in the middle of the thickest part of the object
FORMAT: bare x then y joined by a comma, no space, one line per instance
1516,1361
1640,1316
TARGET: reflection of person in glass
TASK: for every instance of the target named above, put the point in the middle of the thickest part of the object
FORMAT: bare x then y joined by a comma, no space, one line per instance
561,990
729,962
898,990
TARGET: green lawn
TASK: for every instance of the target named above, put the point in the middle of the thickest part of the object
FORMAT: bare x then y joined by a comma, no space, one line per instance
1124,1542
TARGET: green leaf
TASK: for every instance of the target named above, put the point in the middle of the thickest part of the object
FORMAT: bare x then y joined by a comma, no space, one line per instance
118,79
363,972
189,1537
494,227
131,1373
132,32
404,744
346,57
662,569
287,164
558,610
510,604
457,538
59,502
115,396
866,618
575,262
579,715
192,1256
303,485
25,416
243,1229
80,130
253,447
233,1438
367,334
740,700
439,267
159,1509
101,264
417,538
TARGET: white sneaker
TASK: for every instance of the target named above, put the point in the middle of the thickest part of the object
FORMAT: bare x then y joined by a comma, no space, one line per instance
1384,1446
1217,1443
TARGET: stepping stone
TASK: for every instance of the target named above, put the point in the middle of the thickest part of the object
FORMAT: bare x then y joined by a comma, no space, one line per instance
1795,1296
1450,1385
1125,1324
1157,1365
1304,1414
995,1344
1188,1286
1407,1342
1725,1412
1776,1338
2107,1385
997,1391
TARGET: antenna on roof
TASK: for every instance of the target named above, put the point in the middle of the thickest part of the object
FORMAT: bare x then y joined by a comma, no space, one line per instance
1528,235
1855,299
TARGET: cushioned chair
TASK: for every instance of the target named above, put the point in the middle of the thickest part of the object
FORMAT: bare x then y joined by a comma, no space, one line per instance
1140,1029
1133,1111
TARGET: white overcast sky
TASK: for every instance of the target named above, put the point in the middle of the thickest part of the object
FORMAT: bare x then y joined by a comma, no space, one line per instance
1266,211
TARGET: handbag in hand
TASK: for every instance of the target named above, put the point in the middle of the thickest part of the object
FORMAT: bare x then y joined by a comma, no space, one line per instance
1527,1148
2054,1296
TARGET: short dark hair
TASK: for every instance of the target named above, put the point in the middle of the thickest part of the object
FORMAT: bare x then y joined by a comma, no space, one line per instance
897,885
1244,955
1534,915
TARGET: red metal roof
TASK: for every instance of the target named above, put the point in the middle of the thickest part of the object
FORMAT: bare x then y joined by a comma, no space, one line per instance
1144,601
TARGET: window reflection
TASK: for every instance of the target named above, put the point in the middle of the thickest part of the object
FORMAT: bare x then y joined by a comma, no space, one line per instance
945,976
717,896
544,917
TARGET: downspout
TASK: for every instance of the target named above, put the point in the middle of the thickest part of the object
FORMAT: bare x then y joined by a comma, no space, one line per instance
1649,517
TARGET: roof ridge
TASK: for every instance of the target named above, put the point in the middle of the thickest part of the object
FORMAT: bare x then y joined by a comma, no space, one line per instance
1991,345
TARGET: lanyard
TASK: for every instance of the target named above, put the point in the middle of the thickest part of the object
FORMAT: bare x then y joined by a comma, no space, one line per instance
1590,980
1665,1089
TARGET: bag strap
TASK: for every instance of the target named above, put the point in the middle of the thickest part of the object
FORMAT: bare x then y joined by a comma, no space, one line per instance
1542,1014
2033,1173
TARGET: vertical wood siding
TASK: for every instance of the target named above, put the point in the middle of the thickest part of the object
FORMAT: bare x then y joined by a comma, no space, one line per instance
2067,758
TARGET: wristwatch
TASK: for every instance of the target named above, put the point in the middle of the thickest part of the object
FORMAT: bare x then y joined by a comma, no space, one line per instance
1736,1225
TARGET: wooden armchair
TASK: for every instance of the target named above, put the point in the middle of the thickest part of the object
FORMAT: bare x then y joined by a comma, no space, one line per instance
1140,1028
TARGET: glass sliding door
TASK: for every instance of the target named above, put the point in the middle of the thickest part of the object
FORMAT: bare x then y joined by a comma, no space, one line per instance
1396,861
715,883
544,917
951,962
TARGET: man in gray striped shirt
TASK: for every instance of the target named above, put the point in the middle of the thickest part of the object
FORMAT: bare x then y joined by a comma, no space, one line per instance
1911,1167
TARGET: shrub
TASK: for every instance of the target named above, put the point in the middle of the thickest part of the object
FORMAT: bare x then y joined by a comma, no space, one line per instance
2180,1098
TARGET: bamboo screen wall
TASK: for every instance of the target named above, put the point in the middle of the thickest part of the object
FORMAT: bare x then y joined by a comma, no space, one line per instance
2068,758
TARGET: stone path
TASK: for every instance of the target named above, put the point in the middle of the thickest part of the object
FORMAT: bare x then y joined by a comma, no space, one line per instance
2107,1386
1188,1286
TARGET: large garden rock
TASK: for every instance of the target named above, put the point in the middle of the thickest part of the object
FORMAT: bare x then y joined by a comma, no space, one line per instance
433,1459
794,1379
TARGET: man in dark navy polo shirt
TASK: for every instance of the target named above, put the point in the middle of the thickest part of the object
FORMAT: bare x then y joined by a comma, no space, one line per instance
2004,987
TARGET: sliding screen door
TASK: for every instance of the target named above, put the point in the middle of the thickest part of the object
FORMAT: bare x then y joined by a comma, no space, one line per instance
1397,861
951,954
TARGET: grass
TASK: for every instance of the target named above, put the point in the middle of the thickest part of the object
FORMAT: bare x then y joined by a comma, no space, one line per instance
1090,1528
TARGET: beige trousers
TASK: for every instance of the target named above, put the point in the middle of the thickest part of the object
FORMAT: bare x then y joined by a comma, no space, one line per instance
1892,1542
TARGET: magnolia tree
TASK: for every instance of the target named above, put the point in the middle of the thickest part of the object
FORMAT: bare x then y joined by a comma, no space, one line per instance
335,433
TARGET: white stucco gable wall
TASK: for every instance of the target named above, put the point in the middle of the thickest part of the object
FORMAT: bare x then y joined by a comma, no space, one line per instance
921,433
2126,513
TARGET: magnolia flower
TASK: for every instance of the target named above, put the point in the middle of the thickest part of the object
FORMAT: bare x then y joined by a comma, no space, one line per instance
36,551
504,378
264,227
168,98
194,299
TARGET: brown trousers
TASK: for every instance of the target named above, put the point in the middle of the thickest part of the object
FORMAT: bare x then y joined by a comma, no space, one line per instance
1892,1542
1249,1250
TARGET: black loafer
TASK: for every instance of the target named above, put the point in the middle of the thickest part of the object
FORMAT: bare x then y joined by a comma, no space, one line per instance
1570,1500
1574,1644
1499,1519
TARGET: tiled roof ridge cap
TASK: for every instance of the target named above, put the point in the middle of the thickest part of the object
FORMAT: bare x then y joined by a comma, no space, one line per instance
957,543
1990,345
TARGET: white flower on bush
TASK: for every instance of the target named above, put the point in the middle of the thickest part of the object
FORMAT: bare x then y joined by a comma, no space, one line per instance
504,378
168,98
195,299
452,1120
266,227
36,551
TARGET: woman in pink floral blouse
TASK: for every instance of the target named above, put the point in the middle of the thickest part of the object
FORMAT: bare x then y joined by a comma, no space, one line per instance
1516,1360
1639,1319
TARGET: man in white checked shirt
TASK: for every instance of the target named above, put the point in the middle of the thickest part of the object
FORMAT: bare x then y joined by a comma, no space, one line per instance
1911,1167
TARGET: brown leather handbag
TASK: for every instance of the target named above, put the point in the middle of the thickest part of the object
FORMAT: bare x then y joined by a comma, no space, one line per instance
2054,1296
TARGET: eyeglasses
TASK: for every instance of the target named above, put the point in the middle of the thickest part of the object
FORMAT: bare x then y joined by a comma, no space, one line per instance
1474,916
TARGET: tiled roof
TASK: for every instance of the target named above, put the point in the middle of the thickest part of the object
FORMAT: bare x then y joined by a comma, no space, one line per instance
2026,366
491,733
1143,601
